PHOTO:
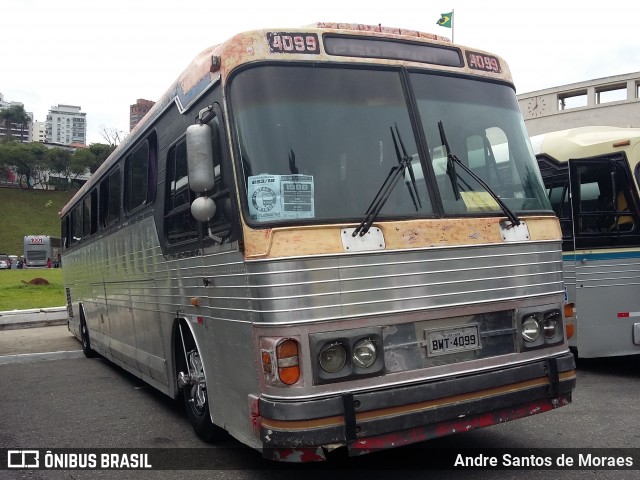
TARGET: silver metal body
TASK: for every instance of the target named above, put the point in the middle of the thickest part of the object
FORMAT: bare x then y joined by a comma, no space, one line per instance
604,287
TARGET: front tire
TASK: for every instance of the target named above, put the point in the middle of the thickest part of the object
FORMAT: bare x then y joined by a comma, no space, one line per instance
194,394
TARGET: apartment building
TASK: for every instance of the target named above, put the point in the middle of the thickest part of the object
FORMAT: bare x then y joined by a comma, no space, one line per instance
138,110
20,132
65,125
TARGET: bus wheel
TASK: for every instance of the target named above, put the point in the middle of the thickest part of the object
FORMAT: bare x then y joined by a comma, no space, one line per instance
194,394
86,345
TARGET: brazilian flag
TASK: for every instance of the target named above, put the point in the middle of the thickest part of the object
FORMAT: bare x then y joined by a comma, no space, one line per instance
446,20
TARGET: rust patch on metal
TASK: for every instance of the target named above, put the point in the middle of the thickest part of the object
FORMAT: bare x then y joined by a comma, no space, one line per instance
322,240
296,455
428,432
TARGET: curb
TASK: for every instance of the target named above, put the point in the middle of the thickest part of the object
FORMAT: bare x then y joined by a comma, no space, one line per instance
35,317
40,357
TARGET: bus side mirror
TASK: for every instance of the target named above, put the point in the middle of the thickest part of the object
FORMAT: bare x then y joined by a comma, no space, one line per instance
200,158
201,172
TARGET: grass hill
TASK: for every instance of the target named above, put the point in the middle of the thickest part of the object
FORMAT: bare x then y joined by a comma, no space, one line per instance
28,212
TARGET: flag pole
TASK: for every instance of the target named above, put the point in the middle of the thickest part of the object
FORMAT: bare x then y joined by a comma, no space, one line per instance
453,19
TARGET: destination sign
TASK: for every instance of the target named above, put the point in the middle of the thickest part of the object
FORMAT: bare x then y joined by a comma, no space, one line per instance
484,62
284,42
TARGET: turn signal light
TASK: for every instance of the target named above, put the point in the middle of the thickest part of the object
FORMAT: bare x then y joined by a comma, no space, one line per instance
569,310
266,361
570,329
569,313
288,362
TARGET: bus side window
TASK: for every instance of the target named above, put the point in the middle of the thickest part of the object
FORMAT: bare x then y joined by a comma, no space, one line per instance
605,199
561,204
66,231
179,224
90,220
76,224
140,172
623,223
136,178
110,199
221,223
221,194
626,214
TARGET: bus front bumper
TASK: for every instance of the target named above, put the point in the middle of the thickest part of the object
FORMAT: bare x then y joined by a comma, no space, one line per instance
402,415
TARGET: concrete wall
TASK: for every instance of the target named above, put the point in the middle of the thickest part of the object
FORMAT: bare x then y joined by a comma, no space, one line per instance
613,101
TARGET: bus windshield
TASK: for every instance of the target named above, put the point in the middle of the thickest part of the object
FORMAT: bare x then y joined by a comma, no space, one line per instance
317,144
485,130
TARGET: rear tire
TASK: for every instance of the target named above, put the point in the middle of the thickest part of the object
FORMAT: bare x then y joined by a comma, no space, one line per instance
86,344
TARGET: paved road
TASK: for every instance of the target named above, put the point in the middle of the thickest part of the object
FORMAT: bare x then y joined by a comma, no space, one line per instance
36,340
77,402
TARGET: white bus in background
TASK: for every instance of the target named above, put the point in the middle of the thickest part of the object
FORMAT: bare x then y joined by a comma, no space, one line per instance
41,251
591,175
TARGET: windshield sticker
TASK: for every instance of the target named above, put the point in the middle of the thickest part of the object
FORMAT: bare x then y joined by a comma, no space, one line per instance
278,197
479,201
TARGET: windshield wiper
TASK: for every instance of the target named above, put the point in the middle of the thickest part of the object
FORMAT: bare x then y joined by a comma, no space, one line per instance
404,163
406,158
452,160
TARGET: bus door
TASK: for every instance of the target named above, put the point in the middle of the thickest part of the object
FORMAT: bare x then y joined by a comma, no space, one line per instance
606,238
556,181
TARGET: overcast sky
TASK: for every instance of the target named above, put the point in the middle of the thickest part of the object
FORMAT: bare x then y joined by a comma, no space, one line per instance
102,56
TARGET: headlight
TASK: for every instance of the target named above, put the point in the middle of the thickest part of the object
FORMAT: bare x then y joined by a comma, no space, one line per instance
332,357
365,353
346,354
550,326
530,330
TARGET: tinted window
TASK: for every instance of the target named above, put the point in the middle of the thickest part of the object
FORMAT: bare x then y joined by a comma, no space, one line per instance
76,224
110,199
180,226
136,175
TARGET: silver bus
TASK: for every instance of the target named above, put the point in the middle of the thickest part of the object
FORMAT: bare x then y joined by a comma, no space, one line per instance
41,251
310,240
591,175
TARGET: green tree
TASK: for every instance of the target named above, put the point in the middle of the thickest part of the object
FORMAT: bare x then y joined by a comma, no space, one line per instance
60,162
9,154
100,151
32,164
81,161
14,114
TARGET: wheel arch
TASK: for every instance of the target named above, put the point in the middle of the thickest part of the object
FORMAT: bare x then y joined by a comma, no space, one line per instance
178,350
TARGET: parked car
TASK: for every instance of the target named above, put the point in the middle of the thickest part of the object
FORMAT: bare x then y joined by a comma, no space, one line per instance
3,265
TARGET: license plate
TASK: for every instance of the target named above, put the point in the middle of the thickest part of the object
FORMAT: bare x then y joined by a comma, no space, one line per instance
452,340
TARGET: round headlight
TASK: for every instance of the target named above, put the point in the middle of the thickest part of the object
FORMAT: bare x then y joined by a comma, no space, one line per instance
365,353
550,326
530,330
332,357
